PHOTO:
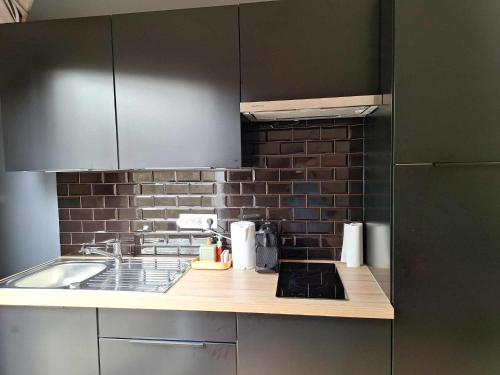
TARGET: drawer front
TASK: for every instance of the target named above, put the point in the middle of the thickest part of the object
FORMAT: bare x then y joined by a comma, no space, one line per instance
155,357
170,325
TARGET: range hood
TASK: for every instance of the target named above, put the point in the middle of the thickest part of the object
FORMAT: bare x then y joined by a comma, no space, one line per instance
309,109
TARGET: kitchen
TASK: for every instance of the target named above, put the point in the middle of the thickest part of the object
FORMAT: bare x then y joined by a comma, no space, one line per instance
164,135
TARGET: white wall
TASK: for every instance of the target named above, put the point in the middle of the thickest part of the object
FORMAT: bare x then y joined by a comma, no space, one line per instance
52,9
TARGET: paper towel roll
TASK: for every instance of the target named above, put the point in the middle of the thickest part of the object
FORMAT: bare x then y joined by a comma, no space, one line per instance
243,244
352,246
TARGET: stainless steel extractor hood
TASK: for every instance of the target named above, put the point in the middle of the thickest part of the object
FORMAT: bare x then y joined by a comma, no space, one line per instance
307,109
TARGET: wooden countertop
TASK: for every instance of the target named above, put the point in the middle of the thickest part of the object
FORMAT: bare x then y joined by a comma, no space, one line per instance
223,291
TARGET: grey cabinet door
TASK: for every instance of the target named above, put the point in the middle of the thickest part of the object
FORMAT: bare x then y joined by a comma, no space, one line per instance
446,262
309,49
287,345
177,88
132,357
43,341
56,90
447,55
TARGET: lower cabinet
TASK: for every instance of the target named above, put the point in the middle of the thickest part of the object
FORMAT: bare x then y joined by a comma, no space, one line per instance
46,340
135,342
289,345
155,357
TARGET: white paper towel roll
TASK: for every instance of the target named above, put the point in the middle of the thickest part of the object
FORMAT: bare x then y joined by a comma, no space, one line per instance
352,246
243,245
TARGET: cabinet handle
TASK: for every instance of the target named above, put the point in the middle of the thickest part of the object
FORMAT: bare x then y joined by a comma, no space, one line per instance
466,164
184,344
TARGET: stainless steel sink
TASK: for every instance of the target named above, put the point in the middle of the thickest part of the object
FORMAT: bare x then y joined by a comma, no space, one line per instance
141,275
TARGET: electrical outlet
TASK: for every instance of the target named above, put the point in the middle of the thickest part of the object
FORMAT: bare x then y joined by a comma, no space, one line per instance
197,221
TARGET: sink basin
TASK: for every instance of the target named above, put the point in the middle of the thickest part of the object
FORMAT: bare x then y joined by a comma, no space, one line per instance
59,275
137,275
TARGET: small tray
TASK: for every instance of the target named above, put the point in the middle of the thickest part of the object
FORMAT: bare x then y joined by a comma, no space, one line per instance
198,264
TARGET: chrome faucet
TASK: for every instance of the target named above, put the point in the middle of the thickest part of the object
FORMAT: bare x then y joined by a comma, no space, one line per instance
116,254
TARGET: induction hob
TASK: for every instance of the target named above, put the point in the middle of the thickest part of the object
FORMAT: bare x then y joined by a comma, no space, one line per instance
310,280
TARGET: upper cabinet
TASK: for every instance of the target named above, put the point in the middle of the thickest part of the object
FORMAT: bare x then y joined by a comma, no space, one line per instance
447,58
177,88
309,49
56,92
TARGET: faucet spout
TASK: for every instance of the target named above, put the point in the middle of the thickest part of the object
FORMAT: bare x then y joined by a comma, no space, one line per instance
116,254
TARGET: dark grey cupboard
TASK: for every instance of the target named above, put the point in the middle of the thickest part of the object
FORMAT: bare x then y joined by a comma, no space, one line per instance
309,49
177,88
446,262
290,345
42,341
56,90
166,342
447,55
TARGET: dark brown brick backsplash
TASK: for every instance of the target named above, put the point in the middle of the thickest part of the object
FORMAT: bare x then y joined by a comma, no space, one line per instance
307,177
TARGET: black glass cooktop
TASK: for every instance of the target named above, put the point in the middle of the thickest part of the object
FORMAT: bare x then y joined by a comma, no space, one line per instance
310,280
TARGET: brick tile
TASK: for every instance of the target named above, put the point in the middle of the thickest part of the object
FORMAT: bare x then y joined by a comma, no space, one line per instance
91,177
292,148
69,202
339,132
65,238
306,188
188,176
271,148
293,227
229,188
253,188
322,254
334,187
320,174
93,202
81,214
306,134
266,175
349,146
331,241
116,202
348,201
128,213
189,201
103,189
104,214
201,188
333,213
70,226
279,135
307,214
144,176
244,175
213,176
293,253
117,226
81,238
280,213
93,226
292,174
334,160
279,162
164,201
279,187
128,189
267,201
142,201
115,177
64,214
321,227
254,214
319,201
177,188
239,201
356,160
67,177
151,189
309,241
355,173
293,200
356,131
62,189
153,213
319,147
229,213
306,161
163,176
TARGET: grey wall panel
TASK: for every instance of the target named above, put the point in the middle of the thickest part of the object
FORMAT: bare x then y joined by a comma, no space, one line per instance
288,345
43,341
51,9
177,88
446,262
29,220
57,95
